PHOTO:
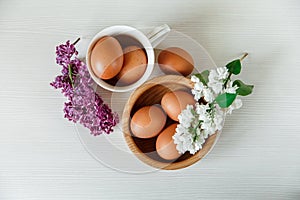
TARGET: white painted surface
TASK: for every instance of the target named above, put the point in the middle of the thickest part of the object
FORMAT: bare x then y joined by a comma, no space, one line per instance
257,156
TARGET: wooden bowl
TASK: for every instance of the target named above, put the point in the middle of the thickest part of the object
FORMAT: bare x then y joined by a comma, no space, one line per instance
151,93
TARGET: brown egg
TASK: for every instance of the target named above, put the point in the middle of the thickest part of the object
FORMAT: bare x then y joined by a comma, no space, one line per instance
165,146
148,121
106,58
175,60
134,65
174,102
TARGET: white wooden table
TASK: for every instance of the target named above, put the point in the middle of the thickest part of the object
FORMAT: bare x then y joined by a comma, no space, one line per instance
257,156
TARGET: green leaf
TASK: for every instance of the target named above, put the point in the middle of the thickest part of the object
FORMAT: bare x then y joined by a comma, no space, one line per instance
203,76
234,67
243,89
225,100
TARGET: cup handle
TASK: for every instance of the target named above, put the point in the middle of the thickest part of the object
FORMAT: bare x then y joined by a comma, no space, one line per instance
158,34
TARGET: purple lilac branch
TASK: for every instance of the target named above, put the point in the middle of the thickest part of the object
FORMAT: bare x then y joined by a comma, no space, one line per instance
83,105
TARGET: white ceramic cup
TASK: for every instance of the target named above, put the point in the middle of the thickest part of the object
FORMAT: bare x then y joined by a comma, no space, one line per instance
149,41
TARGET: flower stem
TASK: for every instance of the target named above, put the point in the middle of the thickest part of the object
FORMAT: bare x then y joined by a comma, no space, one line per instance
69,67
227,79
70,75
244,56
194,131
74,43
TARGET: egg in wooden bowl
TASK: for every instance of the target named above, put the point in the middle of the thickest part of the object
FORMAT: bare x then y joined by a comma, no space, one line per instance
158,150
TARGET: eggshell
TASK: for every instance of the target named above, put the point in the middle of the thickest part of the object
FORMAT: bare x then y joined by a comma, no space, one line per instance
106,58
174,102
148,121
165,146
134,65
175,60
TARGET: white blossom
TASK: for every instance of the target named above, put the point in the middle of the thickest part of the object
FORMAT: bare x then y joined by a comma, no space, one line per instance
195,79
205,134
216,86
184,138
195,126
209,127
208,95
213,76
197,122
237,104
201,108
218,119
218,74
231,89
186,116
199,86
197,91
222,72
216,79
197,94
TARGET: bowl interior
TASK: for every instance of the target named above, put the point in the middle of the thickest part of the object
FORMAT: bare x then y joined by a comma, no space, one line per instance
150,97
127,36
151,93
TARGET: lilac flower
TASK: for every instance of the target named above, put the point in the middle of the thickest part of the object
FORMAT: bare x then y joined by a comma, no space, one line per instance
64,52
84,105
